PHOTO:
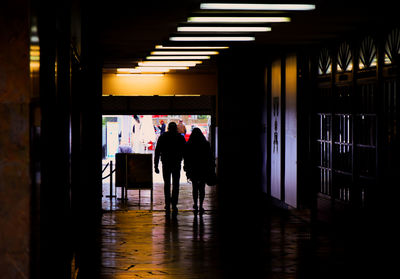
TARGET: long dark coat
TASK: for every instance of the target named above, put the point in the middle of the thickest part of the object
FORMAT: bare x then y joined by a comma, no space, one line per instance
198,160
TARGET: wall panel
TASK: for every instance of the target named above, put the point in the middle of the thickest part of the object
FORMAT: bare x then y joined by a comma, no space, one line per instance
291,130
276,129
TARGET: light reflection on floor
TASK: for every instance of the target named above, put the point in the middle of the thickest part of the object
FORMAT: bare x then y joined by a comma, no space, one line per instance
138,241
133,202
147,244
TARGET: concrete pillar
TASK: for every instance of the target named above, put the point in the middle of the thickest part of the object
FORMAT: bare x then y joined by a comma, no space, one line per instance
14,140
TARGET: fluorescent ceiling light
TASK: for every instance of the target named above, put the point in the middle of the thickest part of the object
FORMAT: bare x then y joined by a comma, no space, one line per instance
34,39
184,52
34,65
140,75
34,53
161,69
191,47
183,57
224,38
237,19
187,95
169,63
223,29
257,7
125,70
139,70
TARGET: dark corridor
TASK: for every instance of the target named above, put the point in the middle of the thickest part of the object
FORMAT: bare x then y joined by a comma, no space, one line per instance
305,118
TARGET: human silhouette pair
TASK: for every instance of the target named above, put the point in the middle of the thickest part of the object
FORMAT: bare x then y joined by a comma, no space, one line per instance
198,161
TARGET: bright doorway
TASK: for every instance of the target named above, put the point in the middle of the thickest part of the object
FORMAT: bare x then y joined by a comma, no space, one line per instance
139,134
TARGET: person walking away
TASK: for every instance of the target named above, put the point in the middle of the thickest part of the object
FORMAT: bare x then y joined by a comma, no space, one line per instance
198,161
170,147
181,128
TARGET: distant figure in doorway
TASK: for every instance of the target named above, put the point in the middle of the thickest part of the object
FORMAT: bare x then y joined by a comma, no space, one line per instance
198,161
170,147
162,127
181,128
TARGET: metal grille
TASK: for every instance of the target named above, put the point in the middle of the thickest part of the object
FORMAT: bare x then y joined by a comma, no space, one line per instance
325,150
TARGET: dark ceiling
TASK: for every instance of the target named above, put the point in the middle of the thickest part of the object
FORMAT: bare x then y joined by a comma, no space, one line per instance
130,29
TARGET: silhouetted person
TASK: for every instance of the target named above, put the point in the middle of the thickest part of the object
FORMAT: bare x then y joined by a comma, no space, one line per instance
170,147
199,161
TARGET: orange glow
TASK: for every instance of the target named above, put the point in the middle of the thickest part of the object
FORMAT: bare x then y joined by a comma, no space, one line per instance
170,84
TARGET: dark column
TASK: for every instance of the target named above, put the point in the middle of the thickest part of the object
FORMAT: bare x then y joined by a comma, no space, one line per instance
87,148
14,140
55,222
241,97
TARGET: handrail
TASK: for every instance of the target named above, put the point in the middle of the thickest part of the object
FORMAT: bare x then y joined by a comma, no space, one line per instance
109,174
105,167
111,178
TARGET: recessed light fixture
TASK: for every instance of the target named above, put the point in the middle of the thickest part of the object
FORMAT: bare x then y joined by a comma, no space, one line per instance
223,29
169,63
184,52
213,39
191,47
238,19
257,7
175,57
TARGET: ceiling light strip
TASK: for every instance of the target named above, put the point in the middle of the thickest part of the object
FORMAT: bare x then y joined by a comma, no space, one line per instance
126,70
222,29
237,19
149,68
257,7
183,57
190,47
184,52
212,39
169,63
138,70
140,75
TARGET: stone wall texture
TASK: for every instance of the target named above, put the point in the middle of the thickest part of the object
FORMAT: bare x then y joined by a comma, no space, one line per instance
15,190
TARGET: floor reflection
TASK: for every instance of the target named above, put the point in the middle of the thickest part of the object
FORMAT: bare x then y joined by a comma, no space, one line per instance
150,244
138,243
143,202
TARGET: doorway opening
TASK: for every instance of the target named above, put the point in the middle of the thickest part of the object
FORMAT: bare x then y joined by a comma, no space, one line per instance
138,134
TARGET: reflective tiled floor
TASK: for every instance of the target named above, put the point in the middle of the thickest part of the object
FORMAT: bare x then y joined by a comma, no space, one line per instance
143,244
138,241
